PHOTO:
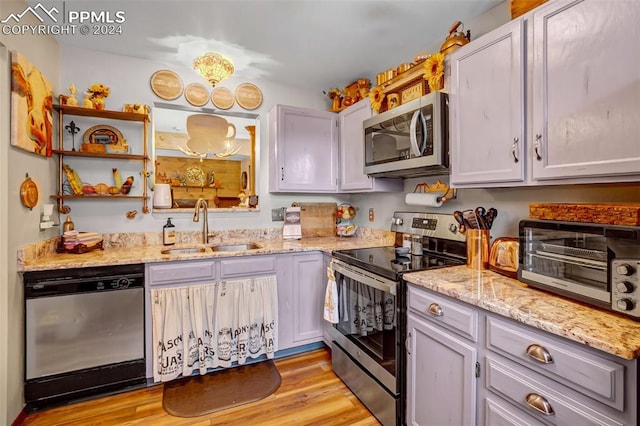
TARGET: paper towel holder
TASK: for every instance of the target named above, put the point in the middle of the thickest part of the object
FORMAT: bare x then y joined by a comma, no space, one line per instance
445,192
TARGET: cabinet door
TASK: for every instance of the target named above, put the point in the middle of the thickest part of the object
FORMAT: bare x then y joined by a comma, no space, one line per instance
487,108
441,383
303,147
352,176
308,286
586,89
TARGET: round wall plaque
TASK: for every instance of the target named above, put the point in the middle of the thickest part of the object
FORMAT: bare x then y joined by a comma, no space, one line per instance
222,98
248,96
166,85
196,94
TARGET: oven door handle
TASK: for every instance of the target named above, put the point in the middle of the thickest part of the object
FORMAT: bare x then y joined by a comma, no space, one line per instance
382,284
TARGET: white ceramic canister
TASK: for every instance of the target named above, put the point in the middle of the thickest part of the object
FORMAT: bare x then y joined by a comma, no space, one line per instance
162,196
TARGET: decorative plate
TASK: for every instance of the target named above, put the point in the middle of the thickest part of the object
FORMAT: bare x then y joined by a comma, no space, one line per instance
166,85
29,193
248,96
195,176
196,94
103,134
222,98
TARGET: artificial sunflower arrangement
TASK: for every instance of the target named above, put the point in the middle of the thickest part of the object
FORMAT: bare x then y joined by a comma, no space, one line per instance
98,91
434,71
97,94
376,97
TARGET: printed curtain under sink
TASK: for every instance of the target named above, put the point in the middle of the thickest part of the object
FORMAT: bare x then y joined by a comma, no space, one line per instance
213,325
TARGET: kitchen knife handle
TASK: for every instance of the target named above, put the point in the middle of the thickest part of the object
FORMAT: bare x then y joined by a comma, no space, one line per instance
513,150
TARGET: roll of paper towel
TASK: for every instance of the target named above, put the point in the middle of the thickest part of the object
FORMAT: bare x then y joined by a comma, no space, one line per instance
431,199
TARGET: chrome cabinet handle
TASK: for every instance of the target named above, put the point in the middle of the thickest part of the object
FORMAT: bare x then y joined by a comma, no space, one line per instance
539,403
513,149
281,173
536,144
539,353
407,343
436,310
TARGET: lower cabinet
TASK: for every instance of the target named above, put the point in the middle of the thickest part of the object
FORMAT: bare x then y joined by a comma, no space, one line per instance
512,374
301,300
441,366
440,376
300,277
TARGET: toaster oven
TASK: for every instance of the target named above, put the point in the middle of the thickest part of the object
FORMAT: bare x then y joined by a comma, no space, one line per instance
594,263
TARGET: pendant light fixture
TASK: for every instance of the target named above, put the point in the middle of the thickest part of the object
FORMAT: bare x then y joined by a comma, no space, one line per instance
214,67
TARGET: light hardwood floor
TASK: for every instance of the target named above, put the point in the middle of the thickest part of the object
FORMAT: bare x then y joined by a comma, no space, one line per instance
310,394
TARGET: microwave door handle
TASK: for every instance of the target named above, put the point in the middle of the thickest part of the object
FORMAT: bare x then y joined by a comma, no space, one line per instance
412,134
418,151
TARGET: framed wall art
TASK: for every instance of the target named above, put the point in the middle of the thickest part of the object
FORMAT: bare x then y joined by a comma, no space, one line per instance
31,107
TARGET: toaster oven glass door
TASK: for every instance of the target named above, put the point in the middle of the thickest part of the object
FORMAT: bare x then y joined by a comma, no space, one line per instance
573,262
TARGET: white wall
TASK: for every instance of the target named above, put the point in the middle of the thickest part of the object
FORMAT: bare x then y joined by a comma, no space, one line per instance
19,225
128,79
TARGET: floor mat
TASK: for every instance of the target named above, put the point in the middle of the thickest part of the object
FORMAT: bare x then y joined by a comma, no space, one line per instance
199,395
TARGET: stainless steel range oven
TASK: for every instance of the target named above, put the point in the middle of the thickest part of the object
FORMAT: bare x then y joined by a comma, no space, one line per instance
368,340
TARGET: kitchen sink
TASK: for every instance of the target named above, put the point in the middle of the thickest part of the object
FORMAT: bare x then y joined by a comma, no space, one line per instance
185,250
236,247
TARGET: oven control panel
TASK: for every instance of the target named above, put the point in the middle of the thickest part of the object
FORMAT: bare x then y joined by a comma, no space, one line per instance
436,225
625,286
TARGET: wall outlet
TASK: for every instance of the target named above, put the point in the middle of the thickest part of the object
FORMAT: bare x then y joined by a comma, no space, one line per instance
371,215
277,215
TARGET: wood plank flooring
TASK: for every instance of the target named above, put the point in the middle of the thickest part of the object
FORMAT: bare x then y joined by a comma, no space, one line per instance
310,394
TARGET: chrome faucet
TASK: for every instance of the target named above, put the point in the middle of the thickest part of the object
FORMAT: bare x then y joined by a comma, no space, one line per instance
205,222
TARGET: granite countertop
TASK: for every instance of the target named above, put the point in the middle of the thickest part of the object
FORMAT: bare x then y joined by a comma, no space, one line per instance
151,253
508,297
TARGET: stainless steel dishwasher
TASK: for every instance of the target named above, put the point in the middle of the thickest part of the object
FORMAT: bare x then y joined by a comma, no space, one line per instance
84,332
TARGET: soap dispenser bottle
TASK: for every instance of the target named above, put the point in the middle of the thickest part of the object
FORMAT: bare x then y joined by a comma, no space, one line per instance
168,233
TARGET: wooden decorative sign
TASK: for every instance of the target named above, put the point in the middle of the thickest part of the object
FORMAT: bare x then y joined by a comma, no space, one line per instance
248,96
222,98
166,85
412,92
196,94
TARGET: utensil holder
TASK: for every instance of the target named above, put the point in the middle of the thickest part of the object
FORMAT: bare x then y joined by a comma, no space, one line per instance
478,242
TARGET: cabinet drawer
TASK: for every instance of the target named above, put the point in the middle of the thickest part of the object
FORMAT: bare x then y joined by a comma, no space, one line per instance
181,272
584,370
246,266
446,312
497,412
563,406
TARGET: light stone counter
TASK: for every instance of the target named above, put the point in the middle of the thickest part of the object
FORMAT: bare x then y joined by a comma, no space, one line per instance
575,321
133,248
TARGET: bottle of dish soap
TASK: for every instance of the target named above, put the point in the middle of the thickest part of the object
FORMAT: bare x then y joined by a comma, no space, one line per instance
168,233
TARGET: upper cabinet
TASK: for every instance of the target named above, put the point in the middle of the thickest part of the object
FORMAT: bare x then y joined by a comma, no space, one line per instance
352,176
563,110
487,108
320,151
586,90
303,150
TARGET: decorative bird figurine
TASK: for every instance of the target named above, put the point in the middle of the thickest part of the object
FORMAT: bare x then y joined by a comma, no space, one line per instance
126,186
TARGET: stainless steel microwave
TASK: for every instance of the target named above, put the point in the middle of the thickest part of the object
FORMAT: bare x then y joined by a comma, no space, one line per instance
594,263
410,140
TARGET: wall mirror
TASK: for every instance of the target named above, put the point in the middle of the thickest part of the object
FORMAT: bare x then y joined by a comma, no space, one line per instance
202,152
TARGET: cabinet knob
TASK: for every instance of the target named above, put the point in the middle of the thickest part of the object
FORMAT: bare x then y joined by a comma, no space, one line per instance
539,353
539,403
435,309
513,149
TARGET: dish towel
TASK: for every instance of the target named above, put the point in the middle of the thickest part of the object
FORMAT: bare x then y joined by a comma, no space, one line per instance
331,298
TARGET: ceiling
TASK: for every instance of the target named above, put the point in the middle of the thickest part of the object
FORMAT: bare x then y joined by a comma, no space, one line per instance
304,43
